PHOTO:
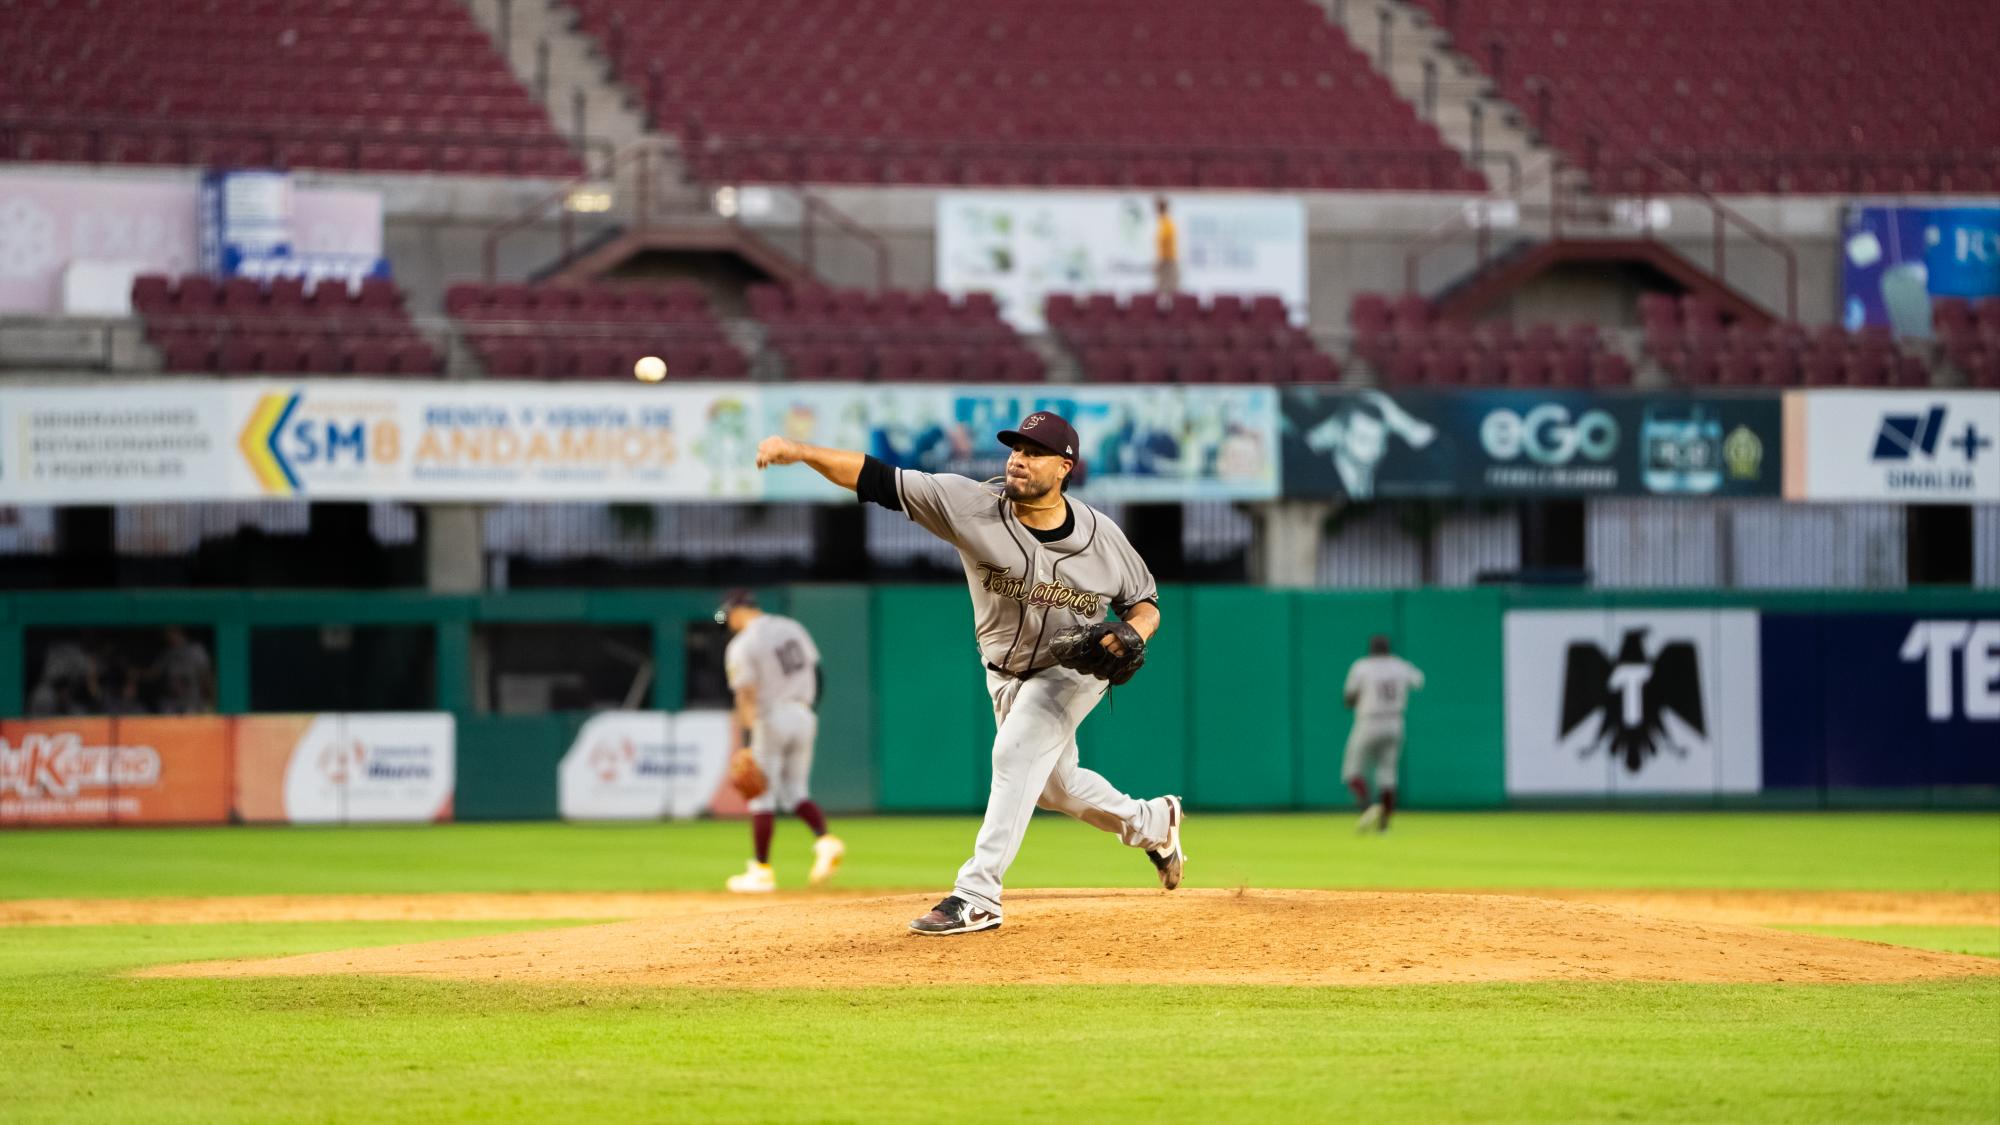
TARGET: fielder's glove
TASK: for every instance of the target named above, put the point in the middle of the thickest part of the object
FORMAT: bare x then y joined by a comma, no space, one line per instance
746,776
1081,647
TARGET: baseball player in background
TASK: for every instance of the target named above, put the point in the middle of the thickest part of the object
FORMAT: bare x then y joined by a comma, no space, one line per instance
773,669
1378,690
1043,570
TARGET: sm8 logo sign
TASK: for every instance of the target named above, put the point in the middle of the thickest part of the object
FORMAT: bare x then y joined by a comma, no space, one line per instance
286,435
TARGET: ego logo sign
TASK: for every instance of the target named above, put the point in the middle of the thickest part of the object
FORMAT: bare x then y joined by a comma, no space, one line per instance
1547,435
1553,442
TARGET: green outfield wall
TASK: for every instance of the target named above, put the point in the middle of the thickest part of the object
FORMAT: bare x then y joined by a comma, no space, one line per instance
1239,706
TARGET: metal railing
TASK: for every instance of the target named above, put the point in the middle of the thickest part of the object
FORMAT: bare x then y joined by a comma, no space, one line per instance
1576,212
279,142
647,191
992,163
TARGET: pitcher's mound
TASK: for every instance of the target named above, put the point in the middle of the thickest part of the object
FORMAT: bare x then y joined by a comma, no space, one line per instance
1141,937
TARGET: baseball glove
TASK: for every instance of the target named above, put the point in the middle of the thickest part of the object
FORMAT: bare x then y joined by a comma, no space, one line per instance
1081,647
746,776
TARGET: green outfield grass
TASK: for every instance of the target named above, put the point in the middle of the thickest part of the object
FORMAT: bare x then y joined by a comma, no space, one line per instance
85,1042
1805,851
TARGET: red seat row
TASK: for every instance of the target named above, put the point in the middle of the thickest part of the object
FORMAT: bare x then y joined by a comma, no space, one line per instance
1407,346
594,331
1750,97
285,83
1229,339
1265,93
894,336
1694,343
243,327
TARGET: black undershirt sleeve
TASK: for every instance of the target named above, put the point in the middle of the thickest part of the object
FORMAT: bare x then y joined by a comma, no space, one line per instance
877,484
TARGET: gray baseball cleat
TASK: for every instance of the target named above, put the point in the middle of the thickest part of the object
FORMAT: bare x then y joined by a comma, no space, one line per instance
955,916
1170,859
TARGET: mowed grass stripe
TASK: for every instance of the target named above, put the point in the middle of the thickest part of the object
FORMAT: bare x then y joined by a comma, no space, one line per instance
1799,851
88,1046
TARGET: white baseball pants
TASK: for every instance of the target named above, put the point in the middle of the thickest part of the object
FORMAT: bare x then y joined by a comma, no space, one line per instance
1035,764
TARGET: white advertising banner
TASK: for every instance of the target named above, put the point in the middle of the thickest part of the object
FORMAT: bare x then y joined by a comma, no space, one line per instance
1603,703
1022,246
363,440
644,765
108,444
151,225
492,441
345,767
1913,447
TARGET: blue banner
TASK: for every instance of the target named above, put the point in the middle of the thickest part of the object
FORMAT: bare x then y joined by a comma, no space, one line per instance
1894,260
1889,701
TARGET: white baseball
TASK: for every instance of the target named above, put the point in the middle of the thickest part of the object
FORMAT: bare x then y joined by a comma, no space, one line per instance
650,369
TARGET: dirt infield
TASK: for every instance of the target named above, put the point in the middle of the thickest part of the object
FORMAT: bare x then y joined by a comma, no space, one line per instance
1748,908
1146,937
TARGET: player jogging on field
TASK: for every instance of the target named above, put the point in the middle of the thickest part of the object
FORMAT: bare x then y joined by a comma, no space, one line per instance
1378,689
1043,569
773,669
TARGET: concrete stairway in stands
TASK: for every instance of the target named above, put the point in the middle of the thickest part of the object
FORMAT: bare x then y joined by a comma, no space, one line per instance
610,118
1400,39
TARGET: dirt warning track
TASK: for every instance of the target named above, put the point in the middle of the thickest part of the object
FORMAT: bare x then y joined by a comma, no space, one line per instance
1139,937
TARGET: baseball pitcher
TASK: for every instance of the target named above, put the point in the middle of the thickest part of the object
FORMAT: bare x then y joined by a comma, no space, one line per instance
1378,690
773,669
1043,571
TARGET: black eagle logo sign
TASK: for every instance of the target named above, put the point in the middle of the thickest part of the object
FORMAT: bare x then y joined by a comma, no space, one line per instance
1632,696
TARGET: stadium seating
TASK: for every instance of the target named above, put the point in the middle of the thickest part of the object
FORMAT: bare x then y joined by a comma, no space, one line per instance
1968,336
1831,96
594,331
1408,346
381,85
1146,340
242,327
1690,340
1260,93
892,336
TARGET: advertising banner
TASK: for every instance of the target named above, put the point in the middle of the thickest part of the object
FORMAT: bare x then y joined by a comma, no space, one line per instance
340,768
49,221
142,770
1913,447
1022,246
360,440
1861,701
473,441
1365,444
644,765
1631,702
1896,259
250,228
1138,443
148,441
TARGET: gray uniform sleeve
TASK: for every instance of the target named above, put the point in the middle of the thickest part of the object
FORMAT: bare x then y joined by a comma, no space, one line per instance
1135,580
940,502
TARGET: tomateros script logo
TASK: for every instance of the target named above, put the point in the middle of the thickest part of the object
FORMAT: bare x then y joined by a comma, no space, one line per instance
1001,581
61,765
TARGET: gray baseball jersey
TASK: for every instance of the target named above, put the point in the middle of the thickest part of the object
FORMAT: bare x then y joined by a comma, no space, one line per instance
1023,590
1382,686
776,656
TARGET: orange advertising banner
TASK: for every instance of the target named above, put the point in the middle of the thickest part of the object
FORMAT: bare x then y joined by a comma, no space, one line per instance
140,770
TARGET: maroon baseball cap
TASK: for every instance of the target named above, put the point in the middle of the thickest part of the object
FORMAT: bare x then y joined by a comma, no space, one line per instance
734,599
1048,430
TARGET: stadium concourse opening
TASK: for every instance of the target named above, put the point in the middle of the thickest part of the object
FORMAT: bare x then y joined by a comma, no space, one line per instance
1194,936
